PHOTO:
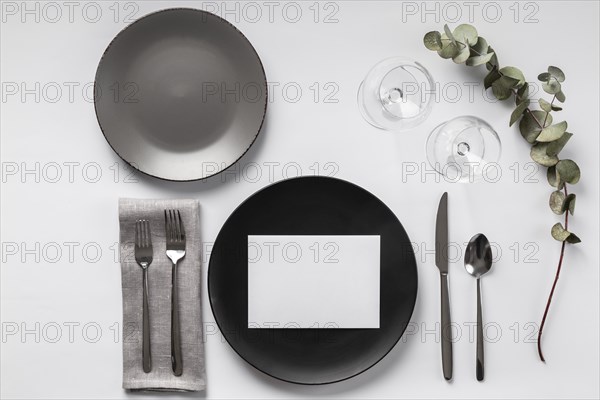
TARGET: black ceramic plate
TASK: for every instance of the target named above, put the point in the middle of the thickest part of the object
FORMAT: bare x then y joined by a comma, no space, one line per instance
312,206
180,94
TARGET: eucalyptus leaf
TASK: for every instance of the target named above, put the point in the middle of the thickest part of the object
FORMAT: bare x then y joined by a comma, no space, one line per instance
480,60
514,73
552,86
556,108
539,155
490,78
560,96
445,40
557,202
523,92
544,77
465,33
573,238
449,34
462,56
502,87
529,127
568,171
554,179
559,233
556,146
433,40
516,114
556,73
569,203
449,50
480,48
493,61
544,105
553,132
501,92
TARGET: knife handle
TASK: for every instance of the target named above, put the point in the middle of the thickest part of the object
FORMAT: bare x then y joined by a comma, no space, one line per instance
446,330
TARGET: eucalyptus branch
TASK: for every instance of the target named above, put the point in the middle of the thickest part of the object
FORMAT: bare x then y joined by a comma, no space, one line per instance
464,45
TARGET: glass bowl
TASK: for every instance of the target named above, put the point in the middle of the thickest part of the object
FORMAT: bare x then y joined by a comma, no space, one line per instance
464,149
396,95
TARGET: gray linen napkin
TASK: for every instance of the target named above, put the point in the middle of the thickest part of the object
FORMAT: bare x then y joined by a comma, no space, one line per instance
159,287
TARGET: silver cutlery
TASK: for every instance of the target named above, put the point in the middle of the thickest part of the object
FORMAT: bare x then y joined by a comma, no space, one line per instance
441,260
143,256
175,234
478,261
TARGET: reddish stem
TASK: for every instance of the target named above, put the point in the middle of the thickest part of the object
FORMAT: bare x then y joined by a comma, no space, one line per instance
560,261
562,249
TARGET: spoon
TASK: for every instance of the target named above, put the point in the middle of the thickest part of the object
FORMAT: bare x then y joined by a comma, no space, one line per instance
478,261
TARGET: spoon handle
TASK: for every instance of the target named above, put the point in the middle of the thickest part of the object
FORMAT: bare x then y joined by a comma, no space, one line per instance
479,367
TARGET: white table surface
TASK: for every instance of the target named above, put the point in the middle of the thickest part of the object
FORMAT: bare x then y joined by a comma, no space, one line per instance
58,300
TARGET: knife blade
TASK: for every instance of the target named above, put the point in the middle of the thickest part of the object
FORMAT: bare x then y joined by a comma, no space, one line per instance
441,235
441,261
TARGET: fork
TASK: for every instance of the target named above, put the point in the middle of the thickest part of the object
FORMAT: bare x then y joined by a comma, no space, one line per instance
143,256
175,234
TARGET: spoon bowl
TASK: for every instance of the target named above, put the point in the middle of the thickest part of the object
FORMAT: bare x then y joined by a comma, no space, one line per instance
478,256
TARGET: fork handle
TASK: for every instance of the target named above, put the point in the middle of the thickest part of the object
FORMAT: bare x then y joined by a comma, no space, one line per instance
176,359
146,356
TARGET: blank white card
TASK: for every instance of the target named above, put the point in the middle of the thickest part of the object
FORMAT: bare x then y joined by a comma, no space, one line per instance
313,281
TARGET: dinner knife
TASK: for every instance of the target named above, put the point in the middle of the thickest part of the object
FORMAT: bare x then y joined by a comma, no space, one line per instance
441,260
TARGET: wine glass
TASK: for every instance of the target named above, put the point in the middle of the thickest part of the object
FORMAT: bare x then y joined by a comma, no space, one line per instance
464,149
397,94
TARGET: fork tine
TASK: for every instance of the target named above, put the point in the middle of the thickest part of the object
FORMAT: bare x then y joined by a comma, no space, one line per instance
171,225
144,234
141,234
177,224
174,226
181,230
147,229
137,233
166,226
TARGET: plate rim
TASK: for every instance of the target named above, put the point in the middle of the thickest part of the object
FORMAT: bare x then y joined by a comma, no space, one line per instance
199,11
414,302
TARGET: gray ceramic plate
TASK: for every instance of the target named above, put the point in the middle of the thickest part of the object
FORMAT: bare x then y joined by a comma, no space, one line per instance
180,94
